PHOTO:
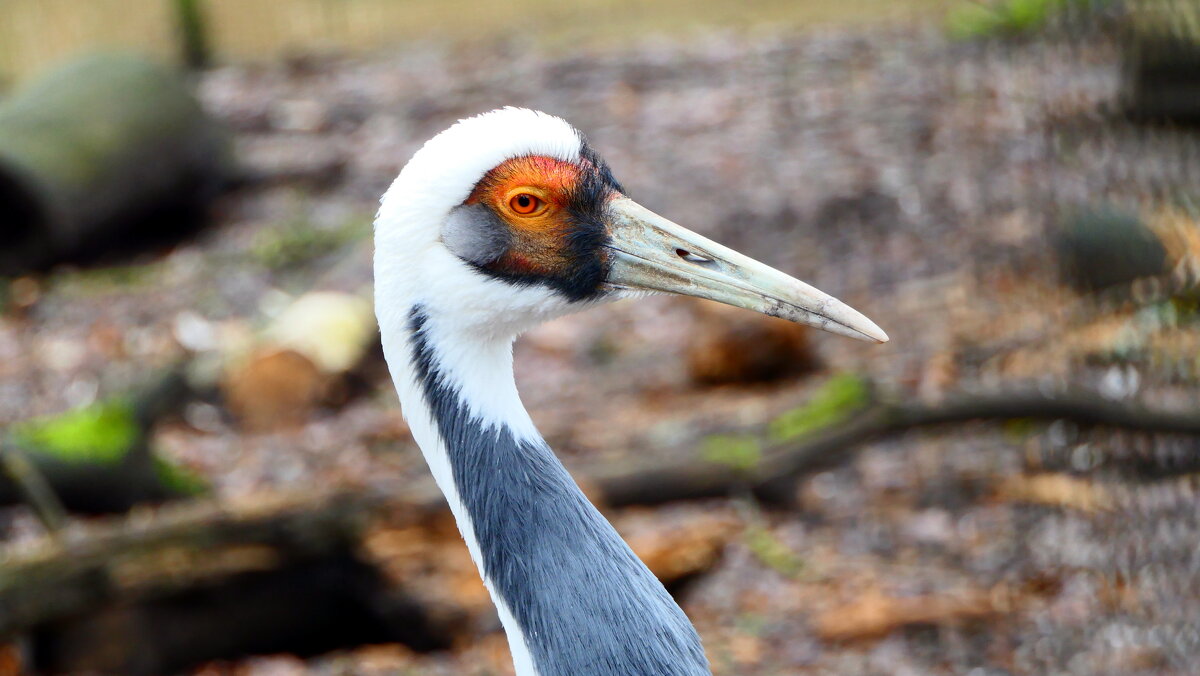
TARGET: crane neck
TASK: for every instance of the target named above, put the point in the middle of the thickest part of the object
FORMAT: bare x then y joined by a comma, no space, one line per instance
572,596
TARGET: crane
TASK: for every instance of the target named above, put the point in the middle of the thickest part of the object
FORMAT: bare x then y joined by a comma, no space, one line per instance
501,222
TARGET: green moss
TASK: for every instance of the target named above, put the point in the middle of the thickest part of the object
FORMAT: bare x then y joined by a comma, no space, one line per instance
772,552
740,452
837,399
101,433
179,480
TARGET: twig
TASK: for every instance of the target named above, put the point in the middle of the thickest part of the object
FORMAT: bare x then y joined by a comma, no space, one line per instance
34,488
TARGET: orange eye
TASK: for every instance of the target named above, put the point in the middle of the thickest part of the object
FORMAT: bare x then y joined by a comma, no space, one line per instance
525,204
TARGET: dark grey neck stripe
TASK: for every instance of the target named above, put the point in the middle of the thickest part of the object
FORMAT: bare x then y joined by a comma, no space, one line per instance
587,605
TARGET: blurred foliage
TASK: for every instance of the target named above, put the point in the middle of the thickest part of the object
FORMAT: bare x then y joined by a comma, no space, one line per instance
740,452
1168,314
762,542
1176,18
101,433
773,552
178,479
104,433
300,241
836,400
972,20
192,35
1186,309
107,279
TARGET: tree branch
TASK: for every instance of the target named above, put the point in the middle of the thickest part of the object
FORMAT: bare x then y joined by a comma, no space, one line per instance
837,444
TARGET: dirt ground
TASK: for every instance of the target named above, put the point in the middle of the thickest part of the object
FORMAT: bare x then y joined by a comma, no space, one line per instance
915,178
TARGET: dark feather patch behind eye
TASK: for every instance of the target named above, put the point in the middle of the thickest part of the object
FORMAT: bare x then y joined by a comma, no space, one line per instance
474,233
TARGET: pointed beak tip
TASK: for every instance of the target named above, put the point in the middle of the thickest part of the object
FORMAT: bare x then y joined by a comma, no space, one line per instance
854,323
871,334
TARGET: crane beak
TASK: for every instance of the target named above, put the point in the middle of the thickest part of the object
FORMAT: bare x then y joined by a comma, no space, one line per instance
650,253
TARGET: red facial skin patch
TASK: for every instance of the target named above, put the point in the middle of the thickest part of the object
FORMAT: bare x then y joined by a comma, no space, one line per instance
548,178
538,242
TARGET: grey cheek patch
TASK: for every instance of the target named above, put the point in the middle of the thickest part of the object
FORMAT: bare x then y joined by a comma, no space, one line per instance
475,234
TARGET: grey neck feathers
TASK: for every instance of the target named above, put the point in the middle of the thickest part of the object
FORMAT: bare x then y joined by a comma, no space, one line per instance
585,603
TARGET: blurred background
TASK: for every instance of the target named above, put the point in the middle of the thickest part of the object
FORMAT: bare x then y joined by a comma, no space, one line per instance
204,468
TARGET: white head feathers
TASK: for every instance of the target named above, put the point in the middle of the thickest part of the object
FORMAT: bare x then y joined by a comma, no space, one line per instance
442,173
411,263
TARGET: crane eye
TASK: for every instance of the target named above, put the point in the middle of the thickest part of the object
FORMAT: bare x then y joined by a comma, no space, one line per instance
525,204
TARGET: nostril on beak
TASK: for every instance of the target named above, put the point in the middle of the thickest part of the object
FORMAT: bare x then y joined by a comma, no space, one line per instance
691,257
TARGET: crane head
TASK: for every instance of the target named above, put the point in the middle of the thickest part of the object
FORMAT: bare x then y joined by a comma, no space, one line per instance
510,218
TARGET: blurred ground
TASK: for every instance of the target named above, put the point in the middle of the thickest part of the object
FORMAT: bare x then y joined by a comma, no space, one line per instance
914,178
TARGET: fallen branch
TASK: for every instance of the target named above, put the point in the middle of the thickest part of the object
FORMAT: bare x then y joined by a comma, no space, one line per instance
202,581
772,478
124,559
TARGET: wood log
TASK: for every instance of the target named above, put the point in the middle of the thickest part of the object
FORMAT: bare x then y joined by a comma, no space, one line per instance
107,152
198,582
